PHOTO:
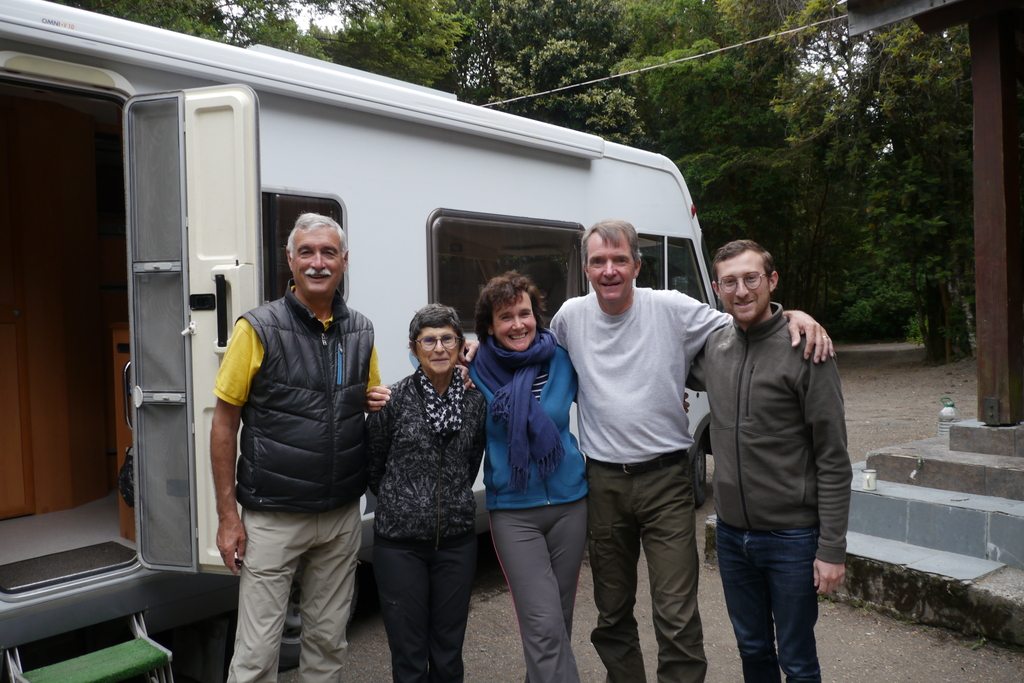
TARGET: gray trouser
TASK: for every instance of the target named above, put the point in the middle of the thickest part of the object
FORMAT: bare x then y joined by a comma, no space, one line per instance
541,550
327,544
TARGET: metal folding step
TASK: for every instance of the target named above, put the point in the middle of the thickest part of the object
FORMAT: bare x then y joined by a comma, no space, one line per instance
141,656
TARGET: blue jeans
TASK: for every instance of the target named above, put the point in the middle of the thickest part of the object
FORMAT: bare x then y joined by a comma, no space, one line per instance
768,579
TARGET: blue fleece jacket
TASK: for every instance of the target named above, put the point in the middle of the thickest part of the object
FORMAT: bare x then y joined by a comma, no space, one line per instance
569,481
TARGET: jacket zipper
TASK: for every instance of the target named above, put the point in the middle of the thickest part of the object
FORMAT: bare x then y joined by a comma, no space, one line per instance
440,459
750,382
736,430
326,354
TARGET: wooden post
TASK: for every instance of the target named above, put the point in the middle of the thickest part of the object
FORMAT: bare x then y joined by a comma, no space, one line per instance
997,228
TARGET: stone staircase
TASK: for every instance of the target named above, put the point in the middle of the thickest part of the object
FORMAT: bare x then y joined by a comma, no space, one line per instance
941,539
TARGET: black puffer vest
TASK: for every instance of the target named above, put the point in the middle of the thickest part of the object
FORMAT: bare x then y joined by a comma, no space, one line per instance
302,446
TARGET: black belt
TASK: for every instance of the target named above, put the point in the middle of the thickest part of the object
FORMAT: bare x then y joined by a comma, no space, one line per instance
662,461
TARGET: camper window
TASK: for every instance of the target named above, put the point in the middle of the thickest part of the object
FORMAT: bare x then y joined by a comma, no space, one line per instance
683,271
279,214
468,249
652,258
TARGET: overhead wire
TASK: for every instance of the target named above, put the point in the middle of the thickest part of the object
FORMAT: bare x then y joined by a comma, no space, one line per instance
663,64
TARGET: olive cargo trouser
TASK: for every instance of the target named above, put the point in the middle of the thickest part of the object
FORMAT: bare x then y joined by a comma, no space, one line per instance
654,509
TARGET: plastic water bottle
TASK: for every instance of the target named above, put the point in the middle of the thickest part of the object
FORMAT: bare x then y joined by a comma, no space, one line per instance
948,415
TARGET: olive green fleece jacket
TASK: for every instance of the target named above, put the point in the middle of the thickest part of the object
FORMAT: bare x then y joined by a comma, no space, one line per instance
778,434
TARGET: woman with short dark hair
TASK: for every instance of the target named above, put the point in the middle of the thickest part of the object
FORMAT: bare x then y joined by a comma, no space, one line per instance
424,449
534,471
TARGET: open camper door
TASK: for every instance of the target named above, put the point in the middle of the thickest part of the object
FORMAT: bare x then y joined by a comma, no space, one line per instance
192,176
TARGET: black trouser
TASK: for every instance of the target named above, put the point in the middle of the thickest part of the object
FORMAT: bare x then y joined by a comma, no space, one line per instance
424,602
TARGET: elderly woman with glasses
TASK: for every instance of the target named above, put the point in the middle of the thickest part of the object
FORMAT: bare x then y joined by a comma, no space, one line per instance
424,450
534,472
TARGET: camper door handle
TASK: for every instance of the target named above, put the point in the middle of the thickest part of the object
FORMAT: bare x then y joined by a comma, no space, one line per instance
126,379
222,310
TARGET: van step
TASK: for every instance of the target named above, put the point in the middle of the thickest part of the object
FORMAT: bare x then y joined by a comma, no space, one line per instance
111,665
139,657
40,572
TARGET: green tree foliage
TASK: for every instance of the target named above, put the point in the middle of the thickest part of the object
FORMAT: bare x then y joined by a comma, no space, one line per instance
716,118
889,115
848,158
521,47
237,22
412,40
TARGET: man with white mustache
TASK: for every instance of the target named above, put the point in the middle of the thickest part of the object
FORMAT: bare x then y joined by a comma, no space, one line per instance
297,376
632,349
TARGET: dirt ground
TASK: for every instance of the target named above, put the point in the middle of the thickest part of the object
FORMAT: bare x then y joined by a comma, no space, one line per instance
891,397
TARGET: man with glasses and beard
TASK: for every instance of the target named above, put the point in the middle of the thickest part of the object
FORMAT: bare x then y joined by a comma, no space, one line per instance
782,471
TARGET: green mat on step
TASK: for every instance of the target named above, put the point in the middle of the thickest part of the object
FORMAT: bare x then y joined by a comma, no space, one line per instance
103,666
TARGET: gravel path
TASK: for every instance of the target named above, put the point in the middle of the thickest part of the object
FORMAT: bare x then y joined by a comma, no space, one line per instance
891,398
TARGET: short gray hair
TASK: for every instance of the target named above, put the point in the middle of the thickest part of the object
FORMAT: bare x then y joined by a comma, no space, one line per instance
312,221
435,315
612,231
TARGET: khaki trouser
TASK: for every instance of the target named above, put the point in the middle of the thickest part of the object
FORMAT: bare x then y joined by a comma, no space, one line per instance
326,545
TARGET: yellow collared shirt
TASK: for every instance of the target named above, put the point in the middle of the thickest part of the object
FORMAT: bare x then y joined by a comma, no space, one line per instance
243,358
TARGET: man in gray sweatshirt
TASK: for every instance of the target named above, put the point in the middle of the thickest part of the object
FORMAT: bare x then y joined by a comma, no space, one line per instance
782,471
632,348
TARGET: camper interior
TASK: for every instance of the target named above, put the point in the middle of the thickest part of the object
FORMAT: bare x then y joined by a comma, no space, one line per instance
63,337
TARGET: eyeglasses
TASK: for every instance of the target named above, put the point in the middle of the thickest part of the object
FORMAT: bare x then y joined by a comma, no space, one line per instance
448,341
751,281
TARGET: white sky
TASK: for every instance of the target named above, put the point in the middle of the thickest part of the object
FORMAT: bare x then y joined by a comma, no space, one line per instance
327,22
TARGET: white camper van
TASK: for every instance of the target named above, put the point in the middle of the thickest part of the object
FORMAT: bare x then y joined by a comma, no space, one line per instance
147,183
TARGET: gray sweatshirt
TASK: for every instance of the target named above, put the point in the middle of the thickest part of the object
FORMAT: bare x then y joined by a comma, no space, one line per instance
778,434
632,370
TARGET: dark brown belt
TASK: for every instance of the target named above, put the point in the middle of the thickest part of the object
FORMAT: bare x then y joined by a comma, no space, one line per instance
660,462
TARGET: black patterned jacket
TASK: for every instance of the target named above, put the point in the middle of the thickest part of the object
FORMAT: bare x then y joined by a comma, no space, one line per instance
423,482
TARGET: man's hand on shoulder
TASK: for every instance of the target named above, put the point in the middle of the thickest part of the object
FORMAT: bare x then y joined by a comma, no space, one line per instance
828,576
376,397
231,542
818,342
468,351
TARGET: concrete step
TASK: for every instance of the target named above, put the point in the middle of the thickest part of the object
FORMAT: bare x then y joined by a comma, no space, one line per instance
974,437
973,596
976,597
930,463
927,560
969,524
